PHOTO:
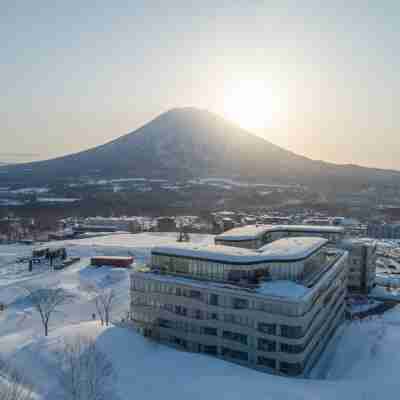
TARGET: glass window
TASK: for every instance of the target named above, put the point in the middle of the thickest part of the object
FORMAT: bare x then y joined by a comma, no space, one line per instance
180,310
266,362
210,331
239,355
214,299
291,348
293,332
240,304
237,337
292,369
266,345
165,323
195,294
210,350
269,329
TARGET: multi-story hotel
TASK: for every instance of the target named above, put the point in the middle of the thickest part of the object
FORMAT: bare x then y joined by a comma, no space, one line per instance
256,236
273,309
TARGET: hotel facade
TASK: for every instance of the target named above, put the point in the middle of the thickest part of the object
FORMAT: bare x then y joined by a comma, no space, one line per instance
273,309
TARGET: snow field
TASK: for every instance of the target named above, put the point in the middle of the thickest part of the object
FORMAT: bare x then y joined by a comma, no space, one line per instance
362,362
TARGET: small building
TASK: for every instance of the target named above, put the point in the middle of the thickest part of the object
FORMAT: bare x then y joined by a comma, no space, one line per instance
227,224
384,231
166,224
111,224
111,261
49,252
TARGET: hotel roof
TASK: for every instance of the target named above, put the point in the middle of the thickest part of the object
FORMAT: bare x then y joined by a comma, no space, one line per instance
252,232
287,249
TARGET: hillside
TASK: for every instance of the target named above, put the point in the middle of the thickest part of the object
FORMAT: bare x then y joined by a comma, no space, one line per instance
187,142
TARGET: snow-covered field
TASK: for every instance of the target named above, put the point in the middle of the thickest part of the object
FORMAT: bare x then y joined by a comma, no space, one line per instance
361,362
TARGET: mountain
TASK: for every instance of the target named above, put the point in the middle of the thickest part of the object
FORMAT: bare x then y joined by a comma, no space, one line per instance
187,142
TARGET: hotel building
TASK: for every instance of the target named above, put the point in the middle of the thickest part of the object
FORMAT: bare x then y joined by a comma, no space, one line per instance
273,309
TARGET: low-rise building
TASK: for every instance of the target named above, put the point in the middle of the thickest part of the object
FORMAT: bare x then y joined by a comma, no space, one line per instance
111,261
255,236
109,224
273,309
384,231
166,224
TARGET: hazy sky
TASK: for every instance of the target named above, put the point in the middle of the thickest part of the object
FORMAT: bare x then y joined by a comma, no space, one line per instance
74,74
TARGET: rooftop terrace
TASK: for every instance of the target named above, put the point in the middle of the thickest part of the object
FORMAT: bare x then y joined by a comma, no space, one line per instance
286,249
252,232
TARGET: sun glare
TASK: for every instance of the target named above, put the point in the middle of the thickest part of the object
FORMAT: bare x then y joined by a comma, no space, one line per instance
250,104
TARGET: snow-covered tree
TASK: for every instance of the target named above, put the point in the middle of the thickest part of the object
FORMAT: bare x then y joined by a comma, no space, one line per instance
104,299
86,373
13,385
46,300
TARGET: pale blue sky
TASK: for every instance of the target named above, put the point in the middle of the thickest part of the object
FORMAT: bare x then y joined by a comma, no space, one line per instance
74,76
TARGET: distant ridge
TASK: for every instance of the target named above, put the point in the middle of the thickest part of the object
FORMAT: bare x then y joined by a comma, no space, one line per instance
187,142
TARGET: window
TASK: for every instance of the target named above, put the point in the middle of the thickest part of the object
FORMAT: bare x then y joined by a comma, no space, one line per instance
237,337
210,331
292,332
269,329
291,348
292,369
240,304
210,350
212,316
195,294
238,355
181,266
198,314
229,318
214,299
234,276
266,362
179,342
180,310
165,323
266,345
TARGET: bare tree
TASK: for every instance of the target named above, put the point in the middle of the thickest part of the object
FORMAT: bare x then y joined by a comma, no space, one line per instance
46,300
86,373
13,386
104,302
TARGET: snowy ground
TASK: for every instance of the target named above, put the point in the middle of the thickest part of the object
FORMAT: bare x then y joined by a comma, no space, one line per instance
360,363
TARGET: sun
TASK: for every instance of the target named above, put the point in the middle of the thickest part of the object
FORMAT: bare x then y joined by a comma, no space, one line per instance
250,104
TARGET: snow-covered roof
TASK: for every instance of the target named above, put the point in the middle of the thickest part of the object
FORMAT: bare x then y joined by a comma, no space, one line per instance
123,258
252,232
358,242
286,249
